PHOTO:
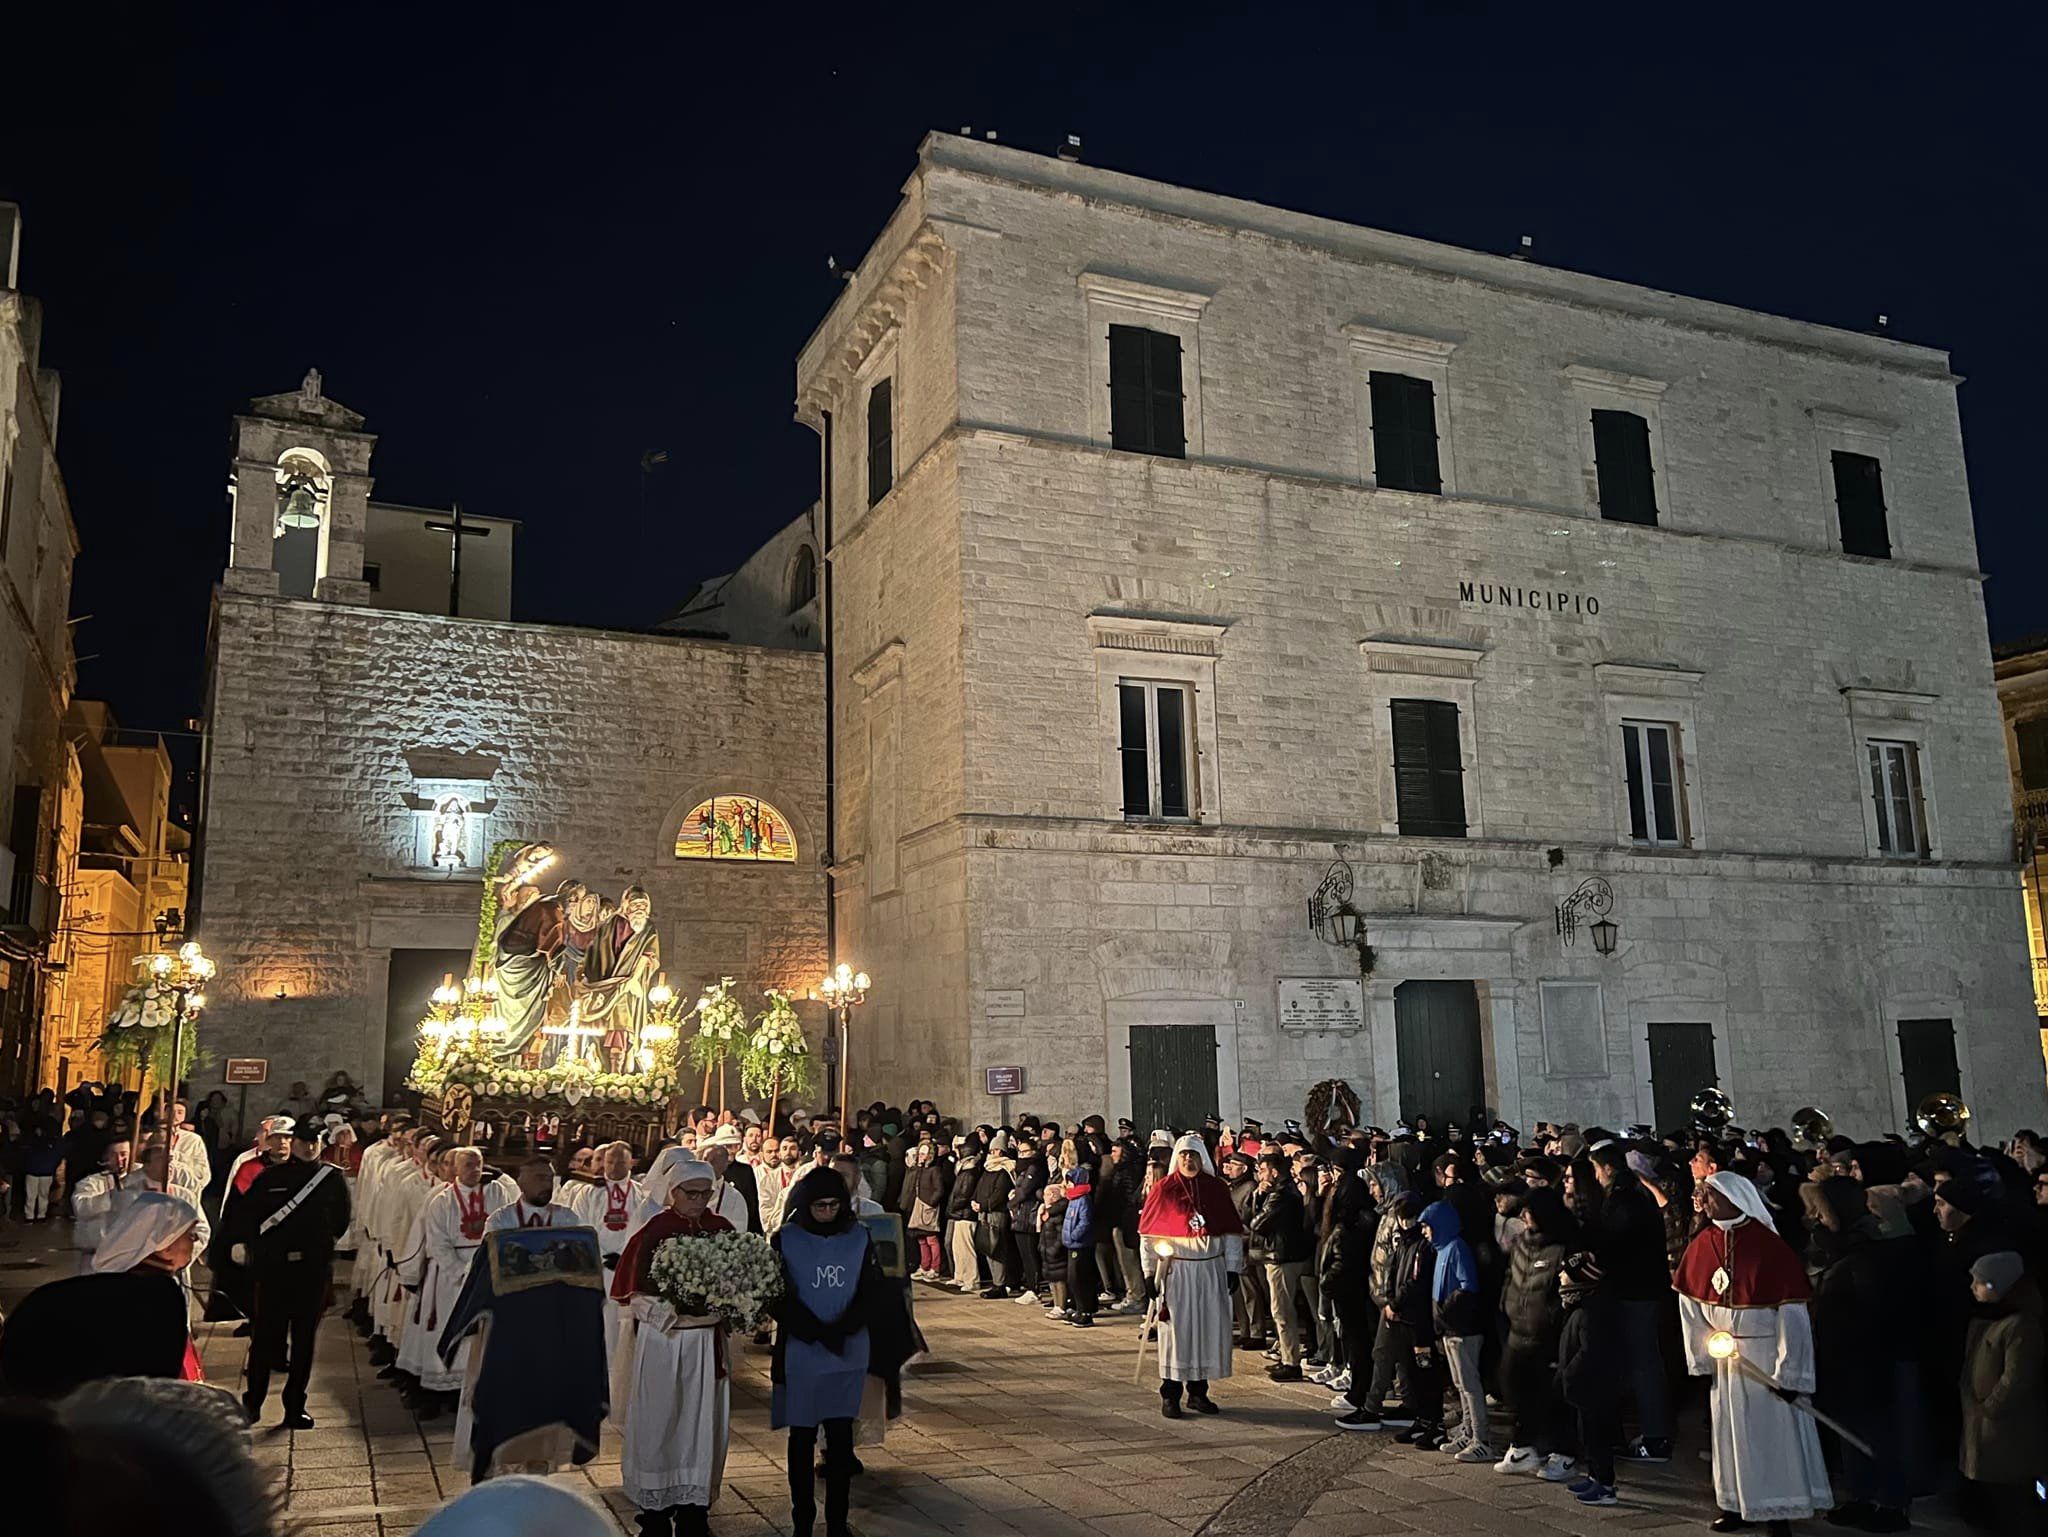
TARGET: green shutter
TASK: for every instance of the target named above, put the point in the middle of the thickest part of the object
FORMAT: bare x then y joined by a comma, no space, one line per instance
1169,429
1621,464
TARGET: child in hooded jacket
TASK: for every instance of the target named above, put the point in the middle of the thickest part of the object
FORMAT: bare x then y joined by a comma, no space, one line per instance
1459,1316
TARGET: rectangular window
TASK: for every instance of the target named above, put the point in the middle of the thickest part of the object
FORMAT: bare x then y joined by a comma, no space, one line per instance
881,441
2032,736
373,575
1429,771
1895,790
1404,433
1152,744
1859,503
1621,461
1655,798
1146,411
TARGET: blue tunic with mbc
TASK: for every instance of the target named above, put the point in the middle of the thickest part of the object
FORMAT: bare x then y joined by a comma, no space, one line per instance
823,1273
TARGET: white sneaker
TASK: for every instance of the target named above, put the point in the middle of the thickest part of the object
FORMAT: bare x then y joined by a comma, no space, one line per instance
1473,1451
1028,1299
1323,1376
1520,1459
1341,1382
1558,1469
1055,1312
1341,1401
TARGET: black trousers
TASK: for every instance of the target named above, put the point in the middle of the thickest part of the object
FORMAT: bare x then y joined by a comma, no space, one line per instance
289,1301
1027,1259
803,1500
1084,1284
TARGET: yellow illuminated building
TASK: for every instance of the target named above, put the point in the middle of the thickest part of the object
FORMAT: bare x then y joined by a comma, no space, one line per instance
2022,673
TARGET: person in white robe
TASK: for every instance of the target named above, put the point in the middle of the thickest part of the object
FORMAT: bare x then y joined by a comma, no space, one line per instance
405,1191
1193,1242
93,1198
1742,1295
452,1227
188,1150
677,1407
380,1160
774,1178
613,1206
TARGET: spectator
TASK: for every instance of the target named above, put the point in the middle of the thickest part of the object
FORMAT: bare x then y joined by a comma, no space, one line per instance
1589,1360
2005,1414
1534,1307
1628,1242
1459,1318
1281,1242
1077,1236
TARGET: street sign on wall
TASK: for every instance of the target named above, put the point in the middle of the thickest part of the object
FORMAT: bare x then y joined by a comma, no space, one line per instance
247,1070
1005,1080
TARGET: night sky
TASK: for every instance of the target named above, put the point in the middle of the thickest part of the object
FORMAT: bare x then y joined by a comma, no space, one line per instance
531,244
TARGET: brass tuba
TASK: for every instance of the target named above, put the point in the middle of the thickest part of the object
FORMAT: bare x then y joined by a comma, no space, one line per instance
1811,1129
1942,1115
1712,1110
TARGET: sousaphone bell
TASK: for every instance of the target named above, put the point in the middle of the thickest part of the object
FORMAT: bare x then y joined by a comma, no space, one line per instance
1942,1115
1811,1129
1712,1110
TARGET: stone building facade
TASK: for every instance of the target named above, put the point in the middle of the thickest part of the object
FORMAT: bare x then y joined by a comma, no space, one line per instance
360,763
1188,554
38,543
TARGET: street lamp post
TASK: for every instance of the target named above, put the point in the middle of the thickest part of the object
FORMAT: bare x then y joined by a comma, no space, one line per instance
844,990
183,975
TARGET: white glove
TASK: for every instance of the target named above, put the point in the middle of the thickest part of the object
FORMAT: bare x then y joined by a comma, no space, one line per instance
239,1253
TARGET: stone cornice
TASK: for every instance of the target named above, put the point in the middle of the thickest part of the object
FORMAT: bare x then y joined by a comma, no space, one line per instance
880,305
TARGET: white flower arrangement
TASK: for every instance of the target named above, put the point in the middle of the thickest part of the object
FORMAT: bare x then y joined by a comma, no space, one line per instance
730,1276
721,1027
776,1055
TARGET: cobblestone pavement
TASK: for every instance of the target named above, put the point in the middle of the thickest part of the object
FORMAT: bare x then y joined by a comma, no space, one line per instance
1013,1425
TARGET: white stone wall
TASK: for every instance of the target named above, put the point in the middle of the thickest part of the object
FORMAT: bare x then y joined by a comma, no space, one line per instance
1012,867
322,717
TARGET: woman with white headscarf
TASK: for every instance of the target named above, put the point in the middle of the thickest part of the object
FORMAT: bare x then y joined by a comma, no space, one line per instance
676,1403
1192,1247
128,1318
1740,1279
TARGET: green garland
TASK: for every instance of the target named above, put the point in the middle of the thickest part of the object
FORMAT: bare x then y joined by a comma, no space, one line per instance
481,958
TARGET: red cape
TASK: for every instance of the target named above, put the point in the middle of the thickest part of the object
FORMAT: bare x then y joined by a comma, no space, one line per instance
1763,1272
1171,1208
638,1258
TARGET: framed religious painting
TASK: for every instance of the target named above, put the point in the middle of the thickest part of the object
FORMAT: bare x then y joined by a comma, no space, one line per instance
524,1257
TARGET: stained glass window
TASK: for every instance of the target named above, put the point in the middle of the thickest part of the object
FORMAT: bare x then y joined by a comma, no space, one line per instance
736,827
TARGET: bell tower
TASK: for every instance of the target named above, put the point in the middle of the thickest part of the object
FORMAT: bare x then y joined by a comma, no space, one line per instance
300,496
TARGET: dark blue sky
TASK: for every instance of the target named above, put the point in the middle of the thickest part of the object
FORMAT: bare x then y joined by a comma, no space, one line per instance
531,244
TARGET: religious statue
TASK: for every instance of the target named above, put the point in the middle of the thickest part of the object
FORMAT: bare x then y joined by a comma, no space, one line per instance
451,826
531,933
617,972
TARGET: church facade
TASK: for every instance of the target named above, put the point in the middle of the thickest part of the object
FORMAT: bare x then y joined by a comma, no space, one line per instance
1266,650
364,761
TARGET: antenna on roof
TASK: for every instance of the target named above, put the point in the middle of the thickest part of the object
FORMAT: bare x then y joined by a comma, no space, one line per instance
1071,150
1524,248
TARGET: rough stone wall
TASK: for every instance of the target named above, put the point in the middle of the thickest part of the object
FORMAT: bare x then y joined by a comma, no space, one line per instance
1779,927
323,716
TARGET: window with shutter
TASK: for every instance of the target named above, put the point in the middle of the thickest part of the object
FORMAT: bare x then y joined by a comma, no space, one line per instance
1859,504
1146,408
1429,773
1153,749
1621,462
1895,791
2033,743
881,440
1404,433
1655,787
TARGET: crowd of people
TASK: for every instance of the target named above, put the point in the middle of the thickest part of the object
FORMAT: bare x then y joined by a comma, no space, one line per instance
1868,1314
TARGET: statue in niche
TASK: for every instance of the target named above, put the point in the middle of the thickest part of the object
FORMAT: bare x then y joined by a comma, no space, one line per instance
617,972
449,849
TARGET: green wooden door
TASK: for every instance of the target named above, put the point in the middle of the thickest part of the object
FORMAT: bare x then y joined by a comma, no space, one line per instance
1173,1077
1927,1060
1436,1033
1681,1064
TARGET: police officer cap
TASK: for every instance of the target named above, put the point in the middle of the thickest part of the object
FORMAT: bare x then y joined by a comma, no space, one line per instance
310,1129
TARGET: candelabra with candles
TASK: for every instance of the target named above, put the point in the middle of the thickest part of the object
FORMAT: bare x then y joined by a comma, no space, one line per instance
844,990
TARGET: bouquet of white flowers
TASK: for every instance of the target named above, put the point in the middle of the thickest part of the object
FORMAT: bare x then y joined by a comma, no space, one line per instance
730,1276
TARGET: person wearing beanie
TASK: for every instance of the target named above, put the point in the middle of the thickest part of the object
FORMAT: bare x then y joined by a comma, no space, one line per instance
2005,1414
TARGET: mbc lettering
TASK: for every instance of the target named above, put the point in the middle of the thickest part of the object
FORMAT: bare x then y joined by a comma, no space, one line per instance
833,1276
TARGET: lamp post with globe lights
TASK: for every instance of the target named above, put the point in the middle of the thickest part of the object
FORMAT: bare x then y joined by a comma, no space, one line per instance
844,990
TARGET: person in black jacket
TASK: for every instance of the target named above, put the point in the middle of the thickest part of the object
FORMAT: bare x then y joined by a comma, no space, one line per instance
1589,1361
1027,1190
1279,1231
1535,1316
1127,1180
993,1240
961,1239
1628,1243
287,1225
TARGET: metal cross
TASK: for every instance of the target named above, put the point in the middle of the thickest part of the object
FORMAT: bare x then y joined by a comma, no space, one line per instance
457,531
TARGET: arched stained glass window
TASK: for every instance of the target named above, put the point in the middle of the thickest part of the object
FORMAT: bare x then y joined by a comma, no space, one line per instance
736,827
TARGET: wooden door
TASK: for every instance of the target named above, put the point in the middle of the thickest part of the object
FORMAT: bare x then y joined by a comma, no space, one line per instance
1436,1033
1173,1077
